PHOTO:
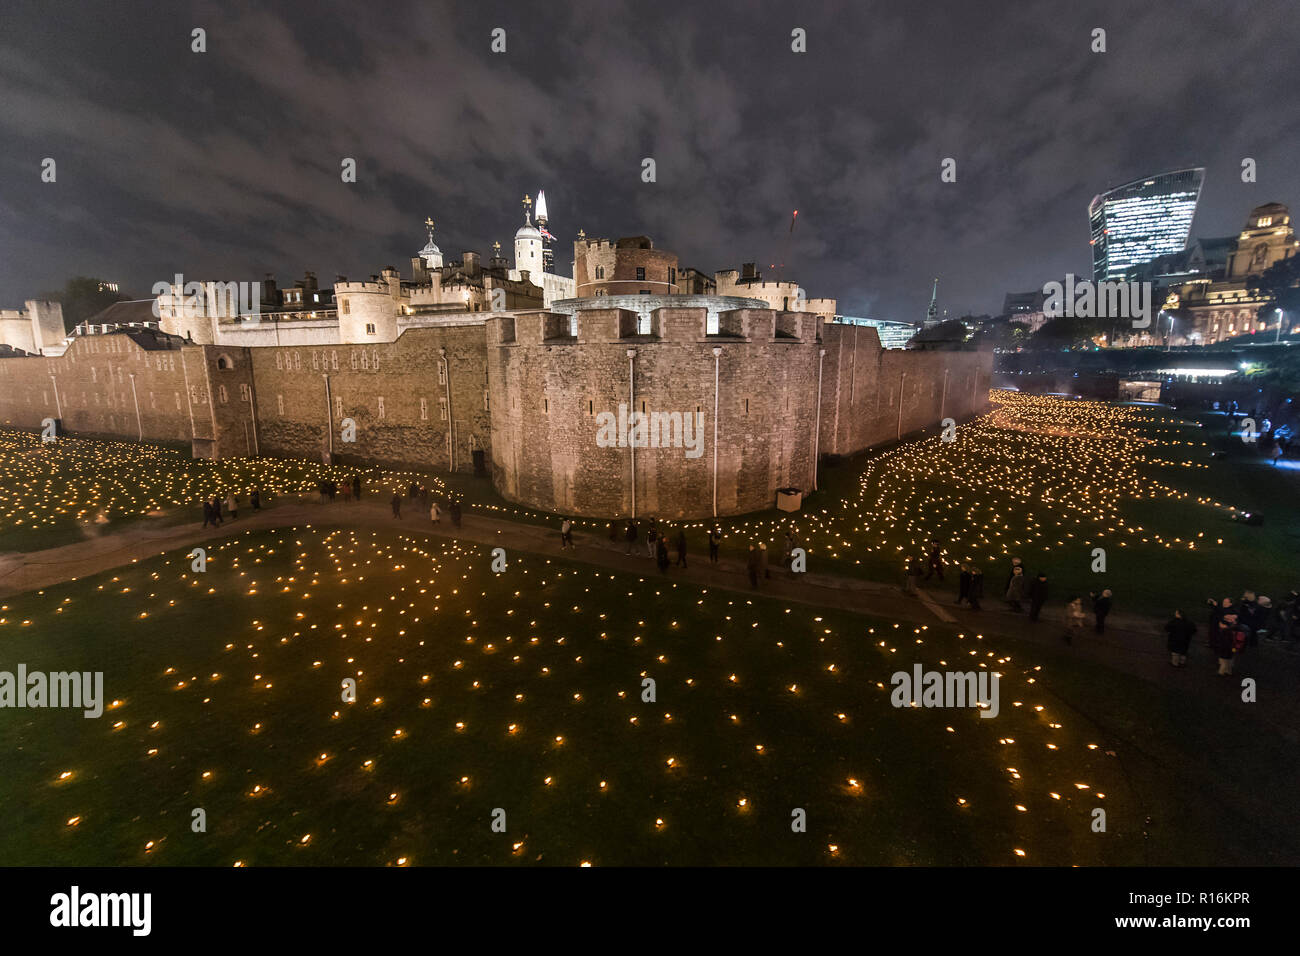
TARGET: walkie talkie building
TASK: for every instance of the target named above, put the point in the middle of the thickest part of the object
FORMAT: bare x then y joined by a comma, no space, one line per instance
1134,223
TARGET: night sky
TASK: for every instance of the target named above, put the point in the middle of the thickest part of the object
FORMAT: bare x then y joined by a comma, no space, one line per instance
226,164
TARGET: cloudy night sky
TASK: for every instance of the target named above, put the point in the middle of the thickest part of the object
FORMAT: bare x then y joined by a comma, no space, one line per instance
226,164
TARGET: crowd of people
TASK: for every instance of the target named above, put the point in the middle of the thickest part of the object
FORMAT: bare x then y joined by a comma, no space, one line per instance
436,507
216,510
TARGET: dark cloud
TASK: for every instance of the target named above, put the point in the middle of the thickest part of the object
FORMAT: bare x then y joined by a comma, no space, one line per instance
226,164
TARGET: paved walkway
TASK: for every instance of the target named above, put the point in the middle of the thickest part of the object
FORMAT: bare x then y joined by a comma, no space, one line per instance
1131,644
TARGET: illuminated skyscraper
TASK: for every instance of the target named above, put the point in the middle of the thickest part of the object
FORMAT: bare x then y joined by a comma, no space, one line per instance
1136,222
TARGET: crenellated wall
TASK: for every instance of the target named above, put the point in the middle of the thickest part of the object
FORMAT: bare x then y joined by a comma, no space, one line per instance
530,394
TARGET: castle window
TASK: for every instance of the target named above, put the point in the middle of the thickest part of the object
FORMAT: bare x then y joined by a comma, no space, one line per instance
94,375
345,306
279,403
1264,222
279,360
334,361
640,274
245,393
424,409
365,359
354,360
645,292
600,272
370,328
338,406
442,373
442,408
374,359
381,406
297,361
221,393
485,399
672,276
314,361
178,400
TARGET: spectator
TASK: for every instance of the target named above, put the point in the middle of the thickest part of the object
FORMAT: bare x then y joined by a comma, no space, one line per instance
1101,608
1074,617
1180,631
1037,595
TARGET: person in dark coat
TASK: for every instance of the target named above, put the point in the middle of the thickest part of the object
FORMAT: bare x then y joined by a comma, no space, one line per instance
661,555
1037,595
963,583
397,505
681,547
976,588
613,531
356,487
1180,631
207,513
629,534
935,563
1225,641
715,539
1100,608
453,509
216,510
751,566
652,538
255,498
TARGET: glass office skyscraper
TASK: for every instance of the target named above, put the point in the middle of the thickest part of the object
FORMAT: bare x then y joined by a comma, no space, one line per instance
1134,223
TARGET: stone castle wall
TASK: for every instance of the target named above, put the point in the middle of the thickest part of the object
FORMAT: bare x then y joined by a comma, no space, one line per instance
527,394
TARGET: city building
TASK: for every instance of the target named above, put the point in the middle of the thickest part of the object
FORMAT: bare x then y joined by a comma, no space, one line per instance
893,334
1139,221
1205,310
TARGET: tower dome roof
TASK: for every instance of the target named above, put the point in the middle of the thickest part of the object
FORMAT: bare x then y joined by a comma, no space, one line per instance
528,231
430,249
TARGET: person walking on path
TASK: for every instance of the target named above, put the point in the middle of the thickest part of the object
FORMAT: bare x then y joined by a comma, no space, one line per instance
762,560
356,487
651,538
566,535
1227,641
913,575
1100,608
232,505
963,583
1074,617
207,514
629,535
1016,589
1180,631
453,509
613,531
661,555
976,591
935,562
397,504
715,540
681,547
435,513
216,510
751,566
255,499
346,491
1015,563
1037,595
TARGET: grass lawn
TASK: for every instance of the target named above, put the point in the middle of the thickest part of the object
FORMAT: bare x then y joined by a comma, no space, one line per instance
522,691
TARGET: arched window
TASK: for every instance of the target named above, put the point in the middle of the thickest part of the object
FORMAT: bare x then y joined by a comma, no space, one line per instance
225,362
600,272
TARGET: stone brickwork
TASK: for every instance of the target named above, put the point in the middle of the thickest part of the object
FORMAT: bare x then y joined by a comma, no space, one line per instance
528,393
304,394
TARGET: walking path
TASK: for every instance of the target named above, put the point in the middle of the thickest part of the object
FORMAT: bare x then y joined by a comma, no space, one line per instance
1132,643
